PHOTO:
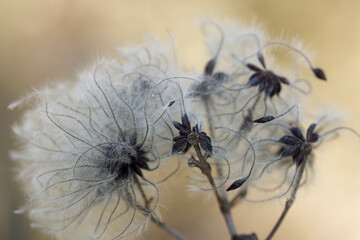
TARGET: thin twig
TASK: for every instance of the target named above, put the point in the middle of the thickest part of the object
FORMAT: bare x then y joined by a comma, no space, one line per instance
166,228
290,201
223,203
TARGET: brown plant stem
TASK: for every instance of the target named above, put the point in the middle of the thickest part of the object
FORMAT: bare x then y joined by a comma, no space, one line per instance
222,202
290,201
212,135
166,228
220,196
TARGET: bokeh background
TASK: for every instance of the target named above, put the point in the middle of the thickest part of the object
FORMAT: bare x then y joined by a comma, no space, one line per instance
42,41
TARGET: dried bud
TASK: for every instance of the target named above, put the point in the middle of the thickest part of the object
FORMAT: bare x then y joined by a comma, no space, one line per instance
209,68
238,183
171,103
264,119
319,73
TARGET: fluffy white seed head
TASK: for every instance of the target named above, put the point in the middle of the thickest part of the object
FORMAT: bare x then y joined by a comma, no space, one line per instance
85,147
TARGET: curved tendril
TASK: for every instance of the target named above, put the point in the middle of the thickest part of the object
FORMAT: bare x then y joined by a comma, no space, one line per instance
240,110
73,179
110,216
62,169
279,44
277,196
98,145
171,174
70,205
282,182
106,99
132,216
306,91
62,129
75,119
102,213
93,128
338,129
267,165
122,100
251,146
157,194
147,98
222,38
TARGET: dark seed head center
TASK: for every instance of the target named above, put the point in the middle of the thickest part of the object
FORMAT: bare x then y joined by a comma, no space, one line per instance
268,73
193,138
307,147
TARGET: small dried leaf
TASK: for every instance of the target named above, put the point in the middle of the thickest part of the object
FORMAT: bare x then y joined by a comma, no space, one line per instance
238,183
290,151
313,138
253,67
186,122
283,80
143,164
262,86
319,73
205,143
255,79
310,130
265,119
179,126
186,149
269,88
276,90
192,162
220,77
196,128
209,68
177,138
289,140
179,145
297,133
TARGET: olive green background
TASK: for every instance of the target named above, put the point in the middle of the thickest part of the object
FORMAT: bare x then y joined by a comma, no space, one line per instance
43,41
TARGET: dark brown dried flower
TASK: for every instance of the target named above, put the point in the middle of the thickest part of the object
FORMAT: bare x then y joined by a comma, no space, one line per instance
124,161
268,81
297,145
189,136
210,82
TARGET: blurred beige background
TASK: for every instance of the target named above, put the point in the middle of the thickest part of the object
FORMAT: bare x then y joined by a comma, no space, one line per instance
43,41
